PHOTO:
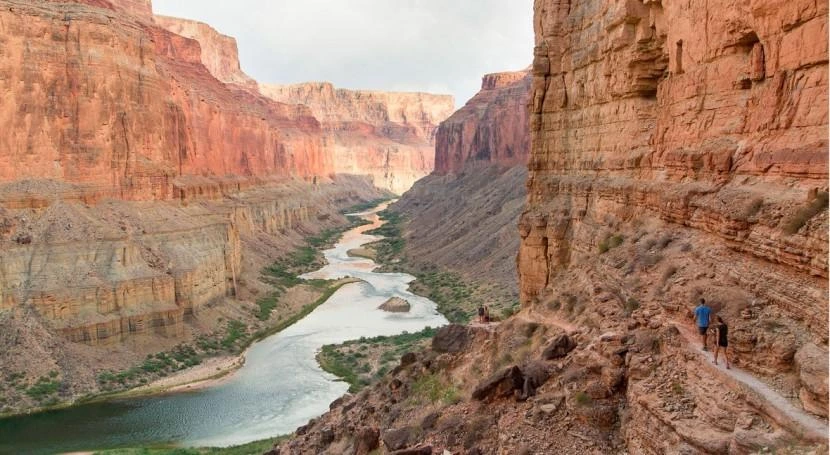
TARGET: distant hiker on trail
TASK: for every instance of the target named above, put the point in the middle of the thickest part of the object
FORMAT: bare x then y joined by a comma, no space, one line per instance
481,314
722,331
486,314
702,316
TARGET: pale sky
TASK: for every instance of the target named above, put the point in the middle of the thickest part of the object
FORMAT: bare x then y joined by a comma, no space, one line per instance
438,46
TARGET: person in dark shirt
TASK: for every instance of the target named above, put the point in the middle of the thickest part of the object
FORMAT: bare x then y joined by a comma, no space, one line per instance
722,331
481,314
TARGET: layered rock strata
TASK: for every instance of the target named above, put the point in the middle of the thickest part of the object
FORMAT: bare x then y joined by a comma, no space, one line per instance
219,52
463,216
97,96
706,124
492,126
389,136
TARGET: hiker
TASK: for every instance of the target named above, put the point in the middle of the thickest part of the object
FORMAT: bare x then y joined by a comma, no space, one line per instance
481,314
722,331
702,316
486,314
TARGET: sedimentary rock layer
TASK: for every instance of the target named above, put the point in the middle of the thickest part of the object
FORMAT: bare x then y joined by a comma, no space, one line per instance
98,96
220,54
389,136
703,121
492,127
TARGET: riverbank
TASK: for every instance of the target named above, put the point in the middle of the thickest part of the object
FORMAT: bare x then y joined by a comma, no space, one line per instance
214,355
363,362
279,387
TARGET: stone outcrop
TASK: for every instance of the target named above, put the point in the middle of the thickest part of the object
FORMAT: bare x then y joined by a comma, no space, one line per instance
219,52
389,136
492,126
679,150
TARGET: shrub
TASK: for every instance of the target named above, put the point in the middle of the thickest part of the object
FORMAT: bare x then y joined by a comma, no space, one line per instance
583,399
631,305
805,214
431,388
610,242
43,388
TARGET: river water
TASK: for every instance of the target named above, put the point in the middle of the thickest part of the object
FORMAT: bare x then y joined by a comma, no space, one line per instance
280,387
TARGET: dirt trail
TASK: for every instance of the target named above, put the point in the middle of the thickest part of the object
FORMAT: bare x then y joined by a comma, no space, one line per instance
777,406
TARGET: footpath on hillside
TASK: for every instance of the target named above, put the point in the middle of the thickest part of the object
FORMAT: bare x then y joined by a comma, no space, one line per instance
773,403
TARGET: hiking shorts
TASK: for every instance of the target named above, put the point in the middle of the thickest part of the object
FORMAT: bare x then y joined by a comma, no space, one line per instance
702,330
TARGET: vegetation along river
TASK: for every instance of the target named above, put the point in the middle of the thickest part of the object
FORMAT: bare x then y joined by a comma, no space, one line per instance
279,388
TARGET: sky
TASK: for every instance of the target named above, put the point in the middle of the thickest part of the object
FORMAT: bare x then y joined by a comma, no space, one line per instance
437,46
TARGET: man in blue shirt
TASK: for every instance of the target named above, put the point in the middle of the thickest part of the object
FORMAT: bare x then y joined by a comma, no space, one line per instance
702,314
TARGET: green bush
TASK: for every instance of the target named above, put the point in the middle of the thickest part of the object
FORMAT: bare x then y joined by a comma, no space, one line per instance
805,214
43,388
610,242
583,399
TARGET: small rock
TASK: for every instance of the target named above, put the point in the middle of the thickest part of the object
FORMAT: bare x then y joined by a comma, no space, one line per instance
425,450
559,347
366,440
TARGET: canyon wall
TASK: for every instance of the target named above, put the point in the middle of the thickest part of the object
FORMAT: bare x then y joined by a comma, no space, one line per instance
679,151
492,126
121,108
480,155
220,54
389,136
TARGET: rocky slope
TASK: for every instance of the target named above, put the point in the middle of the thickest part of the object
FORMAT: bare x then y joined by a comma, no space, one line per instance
477,190
679,151
389,136
695,137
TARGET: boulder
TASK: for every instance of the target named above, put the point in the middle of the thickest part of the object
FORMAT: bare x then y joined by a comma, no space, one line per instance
397,438
366,440
451,339
395,305
501,384
559,347
408,359
811,365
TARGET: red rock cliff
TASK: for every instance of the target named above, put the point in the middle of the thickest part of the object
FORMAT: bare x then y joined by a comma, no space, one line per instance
679,150
219,53
389,136
122,107
491,127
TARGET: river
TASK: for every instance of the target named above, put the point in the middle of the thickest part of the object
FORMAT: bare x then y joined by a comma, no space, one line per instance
279,388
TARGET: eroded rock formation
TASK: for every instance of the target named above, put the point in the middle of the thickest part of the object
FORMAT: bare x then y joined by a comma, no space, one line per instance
679,150
481,153
220,54
389,136
492,126
122,108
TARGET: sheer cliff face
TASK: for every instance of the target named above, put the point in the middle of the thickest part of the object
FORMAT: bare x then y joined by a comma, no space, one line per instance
389,136
104,99
492,127
219,53
679,150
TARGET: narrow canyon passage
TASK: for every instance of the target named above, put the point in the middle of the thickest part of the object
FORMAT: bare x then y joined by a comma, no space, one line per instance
280,387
